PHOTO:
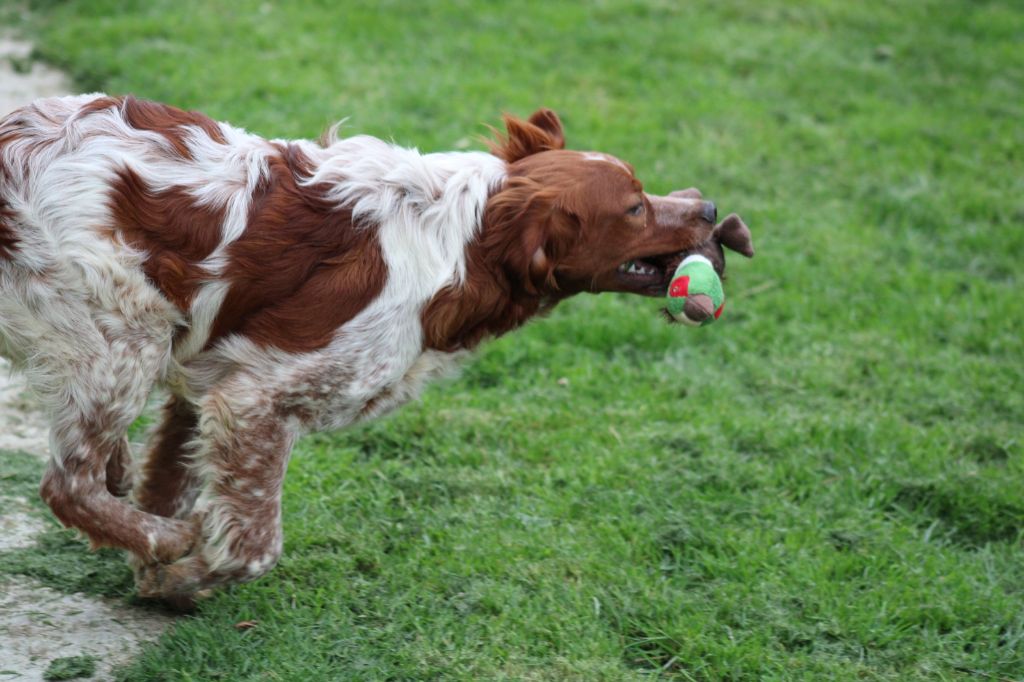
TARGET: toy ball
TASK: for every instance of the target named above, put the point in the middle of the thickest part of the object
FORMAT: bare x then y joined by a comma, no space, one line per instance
695,295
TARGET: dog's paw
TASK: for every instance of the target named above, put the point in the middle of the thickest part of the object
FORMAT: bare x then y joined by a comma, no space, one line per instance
183,578
242,557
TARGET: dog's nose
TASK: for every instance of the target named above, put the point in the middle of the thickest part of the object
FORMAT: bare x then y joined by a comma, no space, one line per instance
709,212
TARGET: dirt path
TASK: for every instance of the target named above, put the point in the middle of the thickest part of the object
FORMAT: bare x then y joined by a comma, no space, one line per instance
22,80
38,624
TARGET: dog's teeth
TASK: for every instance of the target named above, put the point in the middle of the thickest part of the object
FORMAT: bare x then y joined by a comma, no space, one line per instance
631,267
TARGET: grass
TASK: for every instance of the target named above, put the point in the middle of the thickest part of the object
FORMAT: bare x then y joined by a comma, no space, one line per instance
71,668
824,485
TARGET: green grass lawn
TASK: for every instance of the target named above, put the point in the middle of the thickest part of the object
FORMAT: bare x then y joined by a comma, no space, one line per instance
828,484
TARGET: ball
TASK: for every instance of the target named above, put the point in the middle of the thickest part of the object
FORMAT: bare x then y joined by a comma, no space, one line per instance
695,295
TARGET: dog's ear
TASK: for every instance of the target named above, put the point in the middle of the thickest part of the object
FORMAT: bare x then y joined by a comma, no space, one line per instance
528,233
524,237
541,132
547,242
548,121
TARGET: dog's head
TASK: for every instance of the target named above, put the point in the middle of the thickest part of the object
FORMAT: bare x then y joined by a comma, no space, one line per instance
580,221
565,222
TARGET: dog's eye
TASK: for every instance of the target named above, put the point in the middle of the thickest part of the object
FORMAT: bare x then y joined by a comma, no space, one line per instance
636,210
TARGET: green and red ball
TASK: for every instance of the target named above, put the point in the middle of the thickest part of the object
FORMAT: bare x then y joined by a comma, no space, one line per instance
695,294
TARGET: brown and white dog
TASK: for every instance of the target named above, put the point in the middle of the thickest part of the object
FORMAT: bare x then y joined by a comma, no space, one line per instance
273,288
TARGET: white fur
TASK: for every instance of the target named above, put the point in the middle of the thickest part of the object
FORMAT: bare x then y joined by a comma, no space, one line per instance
606,158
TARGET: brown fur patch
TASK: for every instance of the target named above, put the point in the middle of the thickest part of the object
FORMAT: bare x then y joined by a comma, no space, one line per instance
8,232
298,272
165,120
99,104
169,122
170,228
301,269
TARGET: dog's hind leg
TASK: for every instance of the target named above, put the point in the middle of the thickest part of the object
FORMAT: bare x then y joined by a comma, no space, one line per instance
169,484
101,394
92,345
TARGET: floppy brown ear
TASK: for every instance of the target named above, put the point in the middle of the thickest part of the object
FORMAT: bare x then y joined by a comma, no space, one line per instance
527,234
511,275
546,241
542,132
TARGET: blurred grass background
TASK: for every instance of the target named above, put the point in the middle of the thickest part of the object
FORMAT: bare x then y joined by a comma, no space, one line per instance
825,485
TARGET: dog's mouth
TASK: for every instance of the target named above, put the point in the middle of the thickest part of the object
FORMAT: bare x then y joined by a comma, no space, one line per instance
648,275
651,275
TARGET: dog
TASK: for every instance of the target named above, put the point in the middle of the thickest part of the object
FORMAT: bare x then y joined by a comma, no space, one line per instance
274,288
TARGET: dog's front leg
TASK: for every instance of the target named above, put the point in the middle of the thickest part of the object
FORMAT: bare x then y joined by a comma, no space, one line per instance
242,454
